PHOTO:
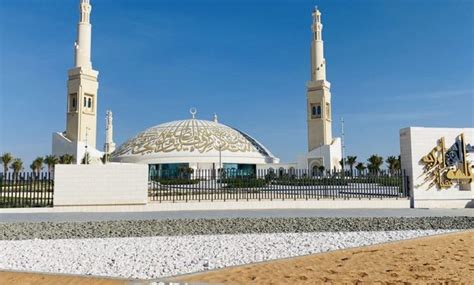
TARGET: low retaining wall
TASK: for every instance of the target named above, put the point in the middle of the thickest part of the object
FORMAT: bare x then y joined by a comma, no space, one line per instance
102,184
386,203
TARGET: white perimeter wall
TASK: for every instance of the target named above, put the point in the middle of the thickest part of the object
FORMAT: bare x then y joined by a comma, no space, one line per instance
416,142
100,184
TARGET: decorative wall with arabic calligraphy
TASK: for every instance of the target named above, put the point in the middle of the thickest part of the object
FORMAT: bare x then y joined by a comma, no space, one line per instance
446,166
193,138
439,164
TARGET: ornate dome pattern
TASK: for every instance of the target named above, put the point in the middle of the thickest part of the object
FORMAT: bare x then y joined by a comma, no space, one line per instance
198,136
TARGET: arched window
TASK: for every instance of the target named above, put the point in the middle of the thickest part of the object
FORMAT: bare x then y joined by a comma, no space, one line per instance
291,171
89,103
85,102
315,111
74,103
281,171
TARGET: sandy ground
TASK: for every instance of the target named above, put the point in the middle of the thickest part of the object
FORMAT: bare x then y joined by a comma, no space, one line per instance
20,278
445,259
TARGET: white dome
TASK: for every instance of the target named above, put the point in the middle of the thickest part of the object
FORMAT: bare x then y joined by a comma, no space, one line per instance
193,141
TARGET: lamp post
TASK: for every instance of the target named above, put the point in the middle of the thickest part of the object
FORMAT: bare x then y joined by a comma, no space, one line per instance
220,160
342,145
321,156
86,154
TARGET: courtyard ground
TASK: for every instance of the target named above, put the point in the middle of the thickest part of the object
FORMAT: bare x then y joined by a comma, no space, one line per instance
447,259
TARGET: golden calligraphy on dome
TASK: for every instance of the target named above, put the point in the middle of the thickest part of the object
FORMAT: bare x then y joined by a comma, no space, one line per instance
189,135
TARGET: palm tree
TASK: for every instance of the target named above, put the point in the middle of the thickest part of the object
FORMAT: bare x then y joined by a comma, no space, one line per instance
16,166
38,165
393,164
66,159
375,162
51,161
6,159
351,160
360,167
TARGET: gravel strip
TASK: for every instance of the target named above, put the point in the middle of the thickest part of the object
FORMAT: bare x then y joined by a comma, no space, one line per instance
178,227
156,257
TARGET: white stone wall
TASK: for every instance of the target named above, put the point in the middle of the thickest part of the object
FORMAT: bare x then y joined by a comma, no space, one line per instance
108,184
416,142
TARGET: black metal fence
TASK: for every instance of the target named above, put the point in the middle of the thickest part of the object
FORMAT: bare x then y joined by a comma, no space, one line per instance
293,184
26,189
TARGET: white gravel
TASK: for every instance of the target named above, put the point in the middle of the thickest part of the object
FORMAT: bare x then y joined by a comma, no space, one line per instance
155,257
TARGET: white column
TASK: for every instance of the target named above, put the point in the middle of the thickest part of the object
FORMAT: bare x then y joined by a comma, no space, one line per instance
318,63
83,43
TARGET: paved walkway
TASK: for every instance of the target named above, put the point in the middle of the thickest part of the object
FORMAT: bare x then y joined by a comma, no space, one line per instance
112,216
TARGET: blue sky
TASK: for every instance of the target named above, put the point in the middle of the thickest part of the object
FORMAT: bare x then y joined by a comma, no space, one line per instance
392,64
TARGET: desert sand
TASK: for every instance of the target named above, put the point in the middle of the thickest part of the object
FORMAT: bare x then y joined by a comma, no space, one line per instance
20,278
445,259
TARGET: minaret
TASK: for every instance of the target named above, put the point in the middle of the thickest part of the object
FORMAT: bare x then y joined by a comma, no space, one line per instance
82,85
318,91
109,145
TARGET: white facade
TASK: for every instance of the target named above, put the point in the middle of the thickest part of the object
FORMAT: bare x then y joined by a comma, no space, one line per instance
94,185
417,143
62,145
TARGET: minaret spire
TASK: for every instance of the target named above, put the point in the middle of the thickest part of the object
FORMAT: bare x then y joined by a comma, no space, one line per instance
82,85
83,42
109,145
323,149
318,63
319,94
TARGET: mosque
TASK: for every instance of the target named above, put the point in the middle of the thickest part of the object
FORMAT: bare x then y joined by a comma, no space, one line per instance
190,143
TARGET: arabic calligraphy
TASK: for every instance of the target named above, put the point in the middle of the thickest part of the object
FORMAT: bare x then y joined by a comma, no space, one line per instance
448,166
189,135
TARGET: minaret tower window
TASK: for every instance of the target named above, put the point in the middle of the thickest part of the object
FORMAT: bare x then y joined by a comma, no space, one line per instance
315,111
72,102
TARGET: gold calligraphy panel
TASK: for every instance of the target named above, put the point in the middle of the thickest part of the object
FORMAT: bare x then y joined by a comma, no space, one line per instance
444,167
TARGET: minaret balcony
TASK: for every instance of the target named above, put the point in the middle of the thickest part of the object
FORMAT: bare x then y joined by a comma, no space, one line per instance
318,84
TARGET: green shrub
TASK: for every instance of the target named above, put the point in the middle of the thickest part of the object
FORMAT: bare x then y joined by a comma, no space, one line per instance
244,183
309,181
178,181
